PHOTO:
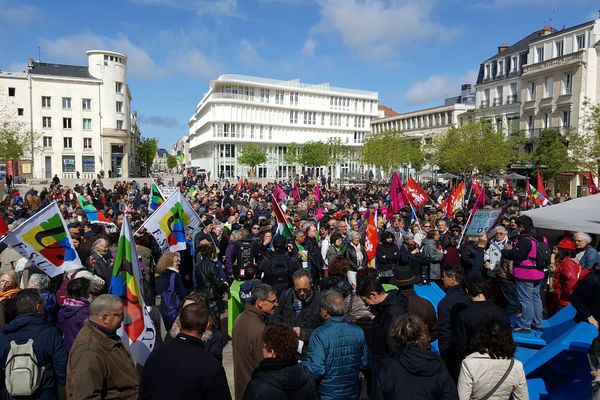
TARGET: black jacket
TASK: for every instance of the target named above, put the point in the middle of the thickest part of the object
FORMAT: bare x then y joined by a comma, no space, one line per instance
379,341
388,256
315,260
412,374
448,309
472,258
338,283
183,369
272,276
351,256
586,297
278,379
48,348
208,280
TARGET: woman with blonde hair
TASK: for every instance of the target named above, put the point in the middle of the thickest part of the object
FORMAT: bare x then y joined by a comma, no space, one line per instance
169,287
9,288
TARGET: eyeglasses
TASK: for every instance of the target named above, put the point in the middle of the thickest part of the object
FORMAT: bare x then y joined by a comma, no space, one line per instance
426,226
271,301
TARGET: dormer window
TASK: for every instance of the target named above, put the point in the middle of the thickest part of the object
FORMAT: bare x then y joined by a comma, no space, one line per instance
488,71
514,64
500,71
540,54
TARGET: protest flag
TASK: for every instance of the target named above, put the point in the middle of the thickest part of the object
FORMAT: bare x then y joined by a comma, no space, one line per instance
398,198
170,223
509,190
296,193
279,193
45,241
371,240
475,186
156,197
415,193
3,226
480,202
283,228
538,198
137,331
540,184
94,215
240,184
592,188
317,193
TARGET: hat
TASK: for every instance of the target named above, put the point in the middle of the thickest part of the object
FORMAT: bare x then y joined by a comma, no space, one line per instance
566,244
279,242
403,276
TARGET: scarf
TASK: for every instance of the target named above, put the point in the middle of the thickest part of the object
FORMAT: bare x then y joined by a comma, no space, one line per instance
7,294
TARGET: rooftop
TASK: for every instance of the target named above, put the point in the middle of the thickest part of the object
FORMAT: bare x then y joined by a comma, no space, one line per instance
71,71
565,30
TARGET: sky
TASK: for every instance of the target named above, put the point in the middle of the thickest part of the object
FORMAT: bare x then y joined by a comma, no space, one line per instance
414,53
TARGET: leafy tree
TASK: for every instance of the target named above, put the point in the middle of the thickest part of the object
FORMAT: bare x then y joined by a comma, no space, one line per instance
16,141
388,150
474,147
171,161
551,152
314,154
146,151
584,145
252,155
292,154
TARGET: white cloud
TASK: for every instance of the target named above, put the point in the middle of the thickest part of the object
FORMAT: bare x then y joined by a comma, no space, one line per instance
21,15
437,87
498,4
71,49
193,63
375,28
223,8
248,52
309,47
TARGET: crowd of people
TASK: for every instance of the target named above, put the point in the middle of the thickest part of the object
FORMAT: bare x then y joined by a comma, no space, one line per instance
321,319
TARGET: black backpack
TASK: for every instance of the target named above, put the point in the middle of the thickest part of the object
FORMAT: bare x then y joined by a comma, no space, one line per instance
279,276
542,254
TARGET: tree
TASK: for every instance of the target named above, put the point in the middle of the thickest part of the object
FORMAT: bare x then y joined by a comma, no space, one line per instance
388,150
292,154
584,145
146,151
338,152
474,147
252,155
551,153
171,161
314,154
16,141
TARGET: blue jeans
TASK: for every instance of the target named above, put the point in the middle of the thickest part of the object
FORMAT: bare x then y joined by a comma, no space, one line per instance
528,293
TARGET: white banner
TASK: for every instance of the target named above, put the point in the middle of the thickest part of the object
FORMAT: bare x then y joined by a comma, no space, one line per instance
483,221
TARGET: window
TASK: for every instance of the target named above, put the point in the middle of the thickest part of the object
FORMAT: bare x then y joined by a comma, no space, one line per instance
67,123
567,84
20,111
87,143
549,87
500,71
119,106
580,41
566,120
86,104
47,140
68,143
66,103
530,123
46,102
531,91
279,96
264,95
540,54
488,69
546,120
68,163
293,117
514,61
227,150
87,124
46,122
11,92
120,124
294,98
118,87
88,163
560,48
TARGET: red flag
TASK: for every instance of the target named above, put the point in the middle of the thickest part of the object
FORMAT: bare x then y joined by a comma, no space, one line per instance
540,184
296,193
415,193
239,185
592,188
480,202
371,239
317,193
475,186
319,214
508,188
279,193
3,226
398,198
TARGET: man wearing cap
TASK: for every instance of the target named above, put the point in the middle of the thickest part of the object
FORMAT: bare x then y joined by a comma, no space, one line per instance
405,279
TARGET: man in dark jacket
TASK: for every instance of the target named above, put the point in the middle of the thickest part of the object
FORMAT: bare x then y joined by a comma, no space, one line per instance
449,307
300,308
182,368
314,258
279,266
47,343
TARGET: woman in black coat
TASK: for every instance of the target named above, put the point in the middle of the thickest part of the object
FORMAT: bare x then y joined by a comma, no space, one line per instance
413,372
388,256
209,281
279,376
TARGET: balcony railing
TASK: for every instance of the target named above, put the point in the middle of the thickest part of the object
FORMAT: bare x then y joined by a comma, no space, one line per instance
554,62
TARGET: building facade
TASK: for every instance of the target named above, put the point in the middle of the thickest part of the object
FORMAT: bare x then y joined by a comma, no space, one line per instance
274,113
80,115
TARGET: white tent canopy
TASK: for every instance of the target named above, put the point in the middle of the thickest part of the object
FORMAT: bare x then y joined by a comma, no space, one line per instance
578,215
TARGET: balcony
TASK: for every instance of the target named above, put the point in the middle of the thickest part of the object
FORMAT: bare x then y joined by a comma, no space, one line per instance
233,96
497,101
572,58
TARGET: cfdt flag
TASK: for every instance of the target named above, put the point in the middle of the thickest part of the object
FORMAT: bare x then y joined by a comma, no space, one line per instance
156,198
91,212
137,330
371,240
45,241
171,222
415,193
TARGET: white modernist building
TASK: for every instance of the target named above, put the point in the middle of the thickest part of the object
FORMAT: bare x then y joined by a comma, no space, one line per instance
274,113
81,115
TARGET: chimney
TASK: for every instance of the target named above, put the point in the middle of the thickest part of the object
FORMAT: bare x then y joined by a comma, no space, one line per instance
546,30
503,47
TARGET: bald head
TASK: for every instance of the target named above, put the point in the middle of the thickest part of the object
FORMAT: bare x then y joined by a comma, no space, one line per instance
103,304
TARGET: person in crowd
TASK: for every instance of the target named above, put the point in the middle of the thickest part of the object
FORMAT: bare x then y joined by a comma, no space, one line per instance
278,268
386,306
357,255
472,253
587,256
445,234
527,276
491,371
299,308
41,282
337,351
208,280
315,262
251,281
388,256
420,231
432,251
404,279
247,335
191,372
75,311
336,246
9,289
499,269
413,371
397,230
170,287
279,376
566,272
48,347
455,301
260,246
103,262
99,366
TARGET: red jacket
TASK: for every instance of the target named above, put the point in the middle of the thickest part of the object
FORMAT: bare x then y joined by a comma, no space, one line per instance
566,276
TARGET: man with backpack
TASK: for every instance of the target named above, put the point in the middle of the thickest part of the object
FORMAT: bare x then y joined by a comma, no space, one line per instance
530,256
33,354
279,267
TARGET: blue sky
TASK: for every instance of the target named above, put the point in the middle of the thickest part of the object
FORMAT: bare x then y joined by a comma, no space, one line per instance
413,52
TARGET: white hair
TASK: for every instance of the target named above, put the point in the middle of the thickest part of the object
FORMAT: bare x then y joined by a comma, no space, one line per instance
587,238
40,281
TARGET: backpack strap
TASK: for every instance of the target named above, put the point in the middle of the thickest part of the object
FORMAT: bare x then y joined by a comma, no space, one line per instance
501,381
